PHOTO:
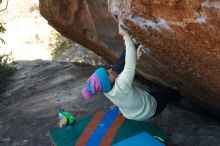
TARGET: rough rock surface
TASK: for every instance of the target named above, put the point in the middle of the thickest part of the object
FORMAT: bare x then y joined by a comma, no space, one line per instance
183,42
181,37
86,22
28,108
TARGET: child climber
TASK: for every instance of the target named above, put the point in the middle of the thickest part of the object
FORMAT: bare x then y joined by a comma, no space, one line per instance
117,85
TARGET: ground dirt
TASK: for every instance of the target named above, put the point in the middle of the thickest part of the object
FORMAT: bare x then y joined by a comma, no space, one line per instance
29,107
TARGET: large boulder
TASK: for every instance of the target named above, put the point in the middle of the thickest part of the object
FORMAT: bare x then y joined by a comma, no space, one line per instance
183,43
181,37
86,22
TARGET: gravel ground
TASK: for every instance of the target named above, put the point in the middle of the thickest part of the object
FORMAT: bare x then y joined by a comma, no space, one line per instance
28,107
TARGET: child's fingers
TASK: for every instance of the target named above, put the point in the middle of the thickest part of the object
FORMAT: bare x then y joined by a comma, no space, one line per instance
139,52
140,48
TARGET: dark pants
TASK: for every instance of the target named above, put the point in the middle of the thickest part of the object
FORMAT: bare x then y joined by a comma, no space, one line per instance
163,96
118,66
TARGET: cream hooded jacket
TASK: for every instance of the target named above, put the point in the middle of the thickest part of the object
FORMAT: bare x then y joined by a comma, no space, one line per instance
133,102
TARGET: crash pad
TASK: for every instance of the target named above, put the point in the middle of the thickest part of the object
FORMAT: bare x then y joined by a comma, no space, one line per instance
103,128
142,139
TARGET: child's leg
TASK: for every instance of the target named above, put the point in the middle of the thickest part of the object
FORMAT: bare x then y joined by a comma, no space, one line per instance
118,66
164,96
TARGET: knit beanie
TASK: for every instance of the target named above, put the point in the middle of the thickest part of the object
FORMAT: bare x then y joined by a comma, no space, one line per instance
99,81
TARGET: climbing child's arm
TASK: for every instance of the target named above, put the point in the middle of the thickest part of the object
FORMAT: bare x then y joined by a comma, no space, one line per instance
130,55
130,61
127,75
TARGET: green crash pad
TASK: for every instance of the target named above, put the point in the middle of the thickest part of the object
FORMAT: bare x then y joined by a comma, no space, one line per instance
104,128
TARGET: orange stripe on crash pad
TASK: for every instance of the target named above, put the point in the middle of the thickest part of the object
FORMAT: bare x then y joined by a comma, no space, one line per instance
82,141
109,136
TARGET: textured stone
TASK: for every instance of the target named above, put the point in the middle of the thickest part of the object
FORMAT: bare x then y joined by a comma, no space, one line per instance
86,22
181,37
183,43
39,88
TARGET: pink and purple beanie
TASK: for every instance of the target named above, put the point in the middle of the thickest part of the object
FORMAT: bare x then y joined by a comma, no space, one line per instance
98,82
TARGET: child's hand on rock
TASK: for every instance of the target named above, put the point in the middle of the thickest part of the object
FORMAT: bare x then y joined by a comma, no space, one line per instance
122,31
140,51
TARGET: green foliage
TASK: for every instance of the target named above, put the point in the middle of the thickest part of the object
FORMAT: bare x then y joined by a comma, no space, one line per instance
2,30
7,65
59,44
64,49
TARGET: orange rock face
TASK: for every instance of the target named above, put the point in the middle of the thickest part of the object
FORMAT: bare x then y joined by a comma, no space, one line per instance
183,41
87,22
182,38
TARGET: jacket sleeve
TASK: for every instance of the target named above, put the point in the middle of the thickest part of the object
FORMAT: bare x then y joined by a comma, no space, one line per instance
126,77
